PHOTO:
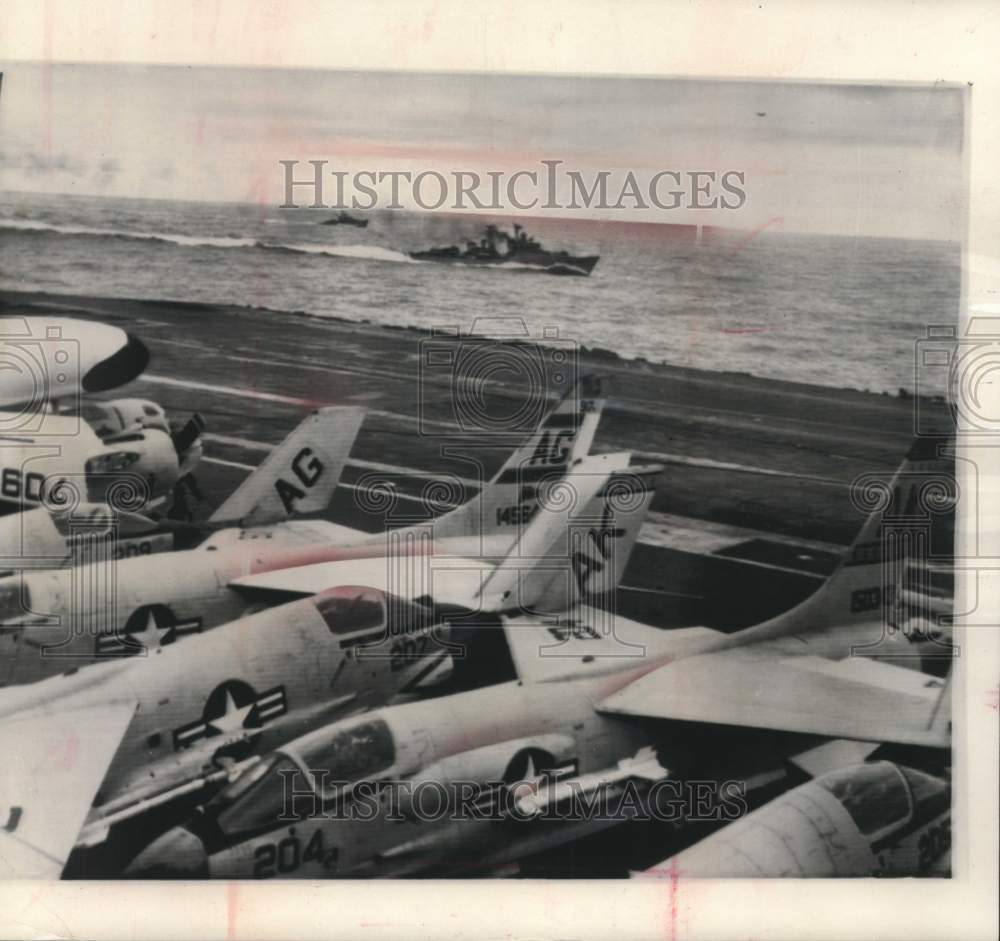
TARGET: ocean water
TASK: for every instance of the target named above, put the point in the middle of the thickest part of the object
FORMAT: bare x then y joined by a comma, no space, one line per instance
825,310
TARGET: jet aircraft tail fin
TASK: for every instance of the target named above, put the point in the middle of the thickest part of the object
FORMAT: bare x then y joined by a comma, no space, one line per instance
903,508
561,440
580,540
300,475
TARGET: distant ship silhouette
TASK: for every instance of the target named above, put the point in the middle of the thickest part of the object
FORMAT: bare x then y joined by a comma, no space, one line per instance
498,247
344,219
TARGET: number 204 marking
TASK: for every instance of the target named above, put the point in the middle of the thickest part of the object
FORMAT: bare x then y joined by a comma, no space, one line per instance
287,855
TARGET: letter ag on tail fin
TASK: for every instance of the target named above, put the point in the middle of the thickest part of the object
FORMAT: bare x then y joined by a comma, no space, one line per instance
300,475
510,499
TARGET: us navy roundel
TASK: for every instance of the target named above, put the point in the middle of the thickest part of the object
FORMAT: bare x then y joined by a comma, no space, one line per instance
530,764
526,771
233,717
147,628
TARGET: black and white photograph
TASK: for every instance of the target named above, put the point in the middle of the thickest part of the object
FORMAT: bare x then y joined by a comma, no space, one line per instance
484,475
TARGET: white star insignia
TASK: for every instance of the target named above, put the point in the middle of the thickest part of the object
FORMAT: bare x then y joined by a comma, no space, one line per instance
152,634
233,719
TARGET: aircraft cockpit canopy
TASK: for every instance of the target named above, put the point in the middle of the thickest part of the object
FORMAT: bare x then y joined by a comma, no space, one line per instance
352,610
369,613
881,797
255,800
356,749
311,776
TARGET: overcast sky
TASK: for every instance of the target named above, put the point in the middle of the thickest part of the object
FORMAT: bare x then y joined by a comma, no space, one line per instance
852,159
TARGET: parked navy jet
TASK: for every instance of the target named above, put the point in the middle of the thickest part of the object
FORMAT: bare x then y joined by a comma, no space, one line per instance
50,454
57,618
877,818
600,704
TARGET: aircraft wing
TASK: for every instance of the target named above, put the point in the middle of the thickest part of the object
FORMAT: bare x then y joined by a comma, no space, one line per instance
589,641
444,578
55,764
856,698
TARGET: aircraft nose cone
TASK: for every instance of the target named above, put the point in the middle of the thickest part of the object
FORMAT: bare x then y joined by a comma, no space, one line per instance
177,854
